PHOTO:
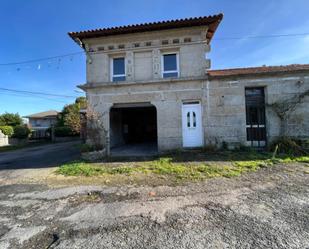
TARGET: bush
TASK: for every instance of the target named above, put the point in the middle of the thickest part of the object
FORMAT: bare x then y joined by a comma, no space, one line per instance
86,148
21,131
10,119
210,148
63,131
224,145
289,146
7,130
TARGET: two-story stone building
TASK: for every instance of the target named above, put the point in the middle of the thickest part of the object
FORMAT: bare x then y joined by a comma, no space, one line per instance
152,84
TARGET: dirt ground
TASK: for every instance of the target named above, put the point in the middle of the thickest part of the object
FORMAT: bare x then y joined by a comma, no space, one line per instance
264,209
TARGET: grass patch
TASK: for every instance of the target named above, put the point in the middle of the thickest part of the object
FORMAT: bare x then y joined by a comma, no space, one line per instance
80,169
302,159
174,168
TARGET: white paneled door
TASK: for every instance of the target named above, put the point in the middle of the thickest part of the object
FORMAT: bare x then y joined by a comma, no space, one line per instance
192,135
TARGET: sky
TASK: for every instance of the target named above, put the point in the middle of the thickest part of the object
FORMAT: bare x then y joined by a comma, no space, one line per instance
35,29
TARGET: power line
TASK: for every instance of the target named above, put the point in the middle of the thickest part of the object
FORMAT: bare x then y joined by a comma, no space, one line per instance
261,36
40,59
37,93
32,96
219,38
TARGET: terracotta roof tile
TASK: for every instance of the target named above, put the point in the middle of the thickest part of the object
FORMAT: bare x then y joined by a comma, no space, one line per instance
211,21
258,70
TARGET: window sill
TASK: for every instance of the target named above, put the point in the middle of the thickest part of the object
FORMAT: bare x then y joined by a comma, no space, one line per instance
91,85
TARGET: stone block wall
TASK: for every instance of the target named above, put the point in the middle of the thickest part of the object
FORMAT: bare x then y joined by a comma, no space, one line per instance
223,106
4,140
225,118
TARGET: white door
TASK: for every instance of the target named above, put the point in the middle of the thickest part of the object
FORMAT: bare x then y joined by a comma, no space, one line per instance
192,135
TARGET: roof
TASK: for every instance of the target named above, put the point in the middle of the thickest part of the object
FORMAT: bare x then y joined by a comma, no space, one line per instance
211,21
258,70
47,114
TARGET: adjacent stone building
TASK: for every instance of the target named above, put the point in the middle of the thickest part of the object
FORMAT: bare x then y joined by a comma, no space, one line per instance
152,88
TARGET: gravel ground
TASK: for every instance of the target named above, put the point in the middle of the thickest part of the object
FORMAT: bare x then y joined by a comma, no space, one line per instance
264,209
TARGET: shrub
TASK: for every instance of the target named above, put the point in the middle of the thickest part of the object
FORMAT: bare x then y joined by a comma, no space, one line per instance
210,148
10,119
63,131
7,130
224,145
21,131
289,146
86,148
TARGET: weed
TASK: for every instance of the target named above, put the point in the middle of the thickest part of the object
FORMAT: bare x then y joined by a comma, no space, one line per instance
167,167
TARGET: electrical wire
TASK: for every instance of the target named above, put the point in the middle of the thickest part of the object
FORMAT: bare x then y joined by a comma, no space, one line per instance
32,96
261,36
37,93
219,38
40,59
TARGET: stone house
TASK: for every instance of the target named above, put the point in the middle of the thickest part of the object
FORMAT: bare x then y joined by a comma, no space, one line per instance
153,88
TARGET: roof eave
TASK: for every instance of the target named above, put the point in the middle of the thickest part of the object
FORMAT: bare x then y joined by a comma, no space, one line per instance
243,75
211,21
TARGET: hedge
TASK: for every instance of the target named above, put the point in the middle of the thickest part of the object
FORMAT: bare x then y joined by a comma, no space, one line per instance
7,130
63,131
21,131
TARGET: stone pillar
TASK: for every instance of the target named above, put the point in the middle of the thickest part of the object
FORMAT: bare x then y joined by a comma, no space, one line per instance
156,63
130,65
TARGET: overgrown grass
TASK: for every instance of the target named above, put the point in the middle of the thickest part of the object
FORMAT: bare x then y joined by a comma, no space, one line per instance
233,164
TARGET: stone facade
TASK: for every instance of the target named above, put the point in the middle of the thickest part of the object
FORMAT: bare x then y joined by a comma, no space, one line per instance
4,140
222,98
226,118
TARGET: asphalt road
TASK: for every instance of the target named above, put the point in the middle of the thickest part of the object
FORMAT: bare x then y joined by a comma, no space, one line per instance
42,156
265,209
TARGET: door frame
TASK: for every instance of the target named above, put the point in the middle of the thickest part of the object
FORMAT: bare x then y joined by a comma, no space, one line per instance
259,143
192,103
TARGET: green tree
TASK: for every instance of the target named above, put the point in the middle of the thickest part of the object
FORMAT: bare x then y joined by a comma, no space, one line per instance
70,116
10,119
82,102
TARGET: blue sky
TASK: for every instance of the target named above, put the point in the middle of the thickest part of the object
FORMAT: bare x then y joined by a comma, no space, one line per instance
34,29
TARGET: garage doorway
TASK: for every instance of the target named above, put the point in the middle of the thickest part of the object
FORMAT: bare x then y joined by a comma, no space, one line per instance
133,130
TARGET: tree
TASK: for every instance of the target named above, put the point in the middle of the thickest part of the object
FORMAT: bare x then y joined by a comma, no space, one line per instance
10,119
82,102
70,116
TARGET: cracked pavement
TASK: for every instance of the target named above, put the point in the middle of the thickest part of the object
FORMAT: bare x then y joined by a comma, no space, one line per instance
265,209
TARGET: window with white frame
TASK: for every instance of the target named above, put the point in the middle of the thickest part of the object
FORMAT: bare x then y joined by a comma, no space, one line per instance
118,70
170,65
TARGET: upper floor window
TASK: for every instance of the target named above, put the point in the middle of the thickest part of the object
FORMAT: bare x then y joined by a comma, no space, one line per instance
170,65
118,72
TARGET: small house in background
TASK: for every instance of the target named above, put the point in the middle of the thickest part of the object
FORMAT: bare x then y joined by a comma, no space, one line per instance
40,122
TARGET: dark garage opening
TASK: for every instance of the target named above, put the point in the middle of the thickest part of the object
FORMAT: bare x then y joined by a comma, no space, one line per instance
133,130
